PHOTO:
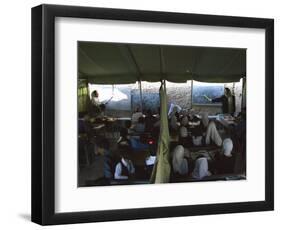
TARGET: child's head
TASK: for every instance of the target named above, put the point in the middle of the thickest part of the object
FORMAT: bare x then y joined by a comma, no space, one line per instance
124,152
102,145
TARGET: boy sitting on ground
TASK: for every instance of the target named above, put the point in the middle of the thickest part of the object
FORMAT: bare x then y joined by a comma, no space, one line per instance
124,169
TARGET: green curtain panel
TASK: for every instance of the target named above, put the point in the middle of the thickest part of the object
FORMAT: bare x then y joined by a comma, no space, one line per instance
83,96
162,169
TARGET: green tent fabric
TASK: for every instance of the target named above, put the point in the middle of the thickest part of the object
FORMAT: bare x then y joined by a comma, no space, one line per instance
83,96
117,63
162,169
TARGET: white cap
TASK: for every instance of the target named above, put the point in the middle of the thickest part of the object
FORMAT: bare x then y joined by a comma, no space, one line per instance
227,147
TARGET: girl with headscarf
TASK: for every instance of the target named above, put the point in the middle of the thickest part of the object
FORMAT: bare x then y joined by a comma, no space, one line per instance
183,132
173,109
225,160
201,169
180,164
184,120
136,115
205,119
212,134
195,127
174,123
184,138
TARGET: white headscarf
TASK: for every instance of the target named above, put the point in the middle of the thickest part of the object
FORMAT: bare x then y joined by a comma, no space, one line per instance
173,109
183,131
227,147
174,123
179,163
197,141
205,119
201,168
184,121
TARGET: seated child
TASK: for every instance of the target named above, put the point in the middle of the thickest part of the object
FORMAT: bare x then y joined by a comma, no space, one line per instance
212,134
225,161
180,163
139,144
123,140
201,168
184,138
124,168
139,127
102,163
136,115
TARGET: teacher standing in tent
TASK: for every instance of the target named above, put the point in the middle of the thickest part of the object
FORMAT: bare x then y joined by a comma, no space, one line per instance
227,100
96,108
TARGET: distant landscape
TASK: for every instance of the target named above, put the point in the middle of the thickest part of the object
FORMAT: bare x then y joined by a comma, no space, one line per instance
127,97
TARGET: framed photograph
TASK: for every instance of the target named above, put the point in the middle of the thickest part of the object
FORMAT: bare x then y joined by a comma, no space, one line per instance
143,114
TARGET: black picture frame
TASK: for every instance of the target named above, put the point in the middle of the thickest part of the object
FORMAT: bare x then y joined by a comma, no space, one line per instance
43,110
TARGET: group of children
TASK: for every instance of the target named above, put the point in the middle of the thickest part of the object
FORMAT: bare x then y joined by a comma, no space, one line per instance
183,166
192,130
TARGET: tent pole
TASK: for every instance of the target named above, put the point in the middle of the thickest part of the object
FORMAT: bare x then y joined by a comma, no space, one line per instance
164,84
243,101
141,101
191,95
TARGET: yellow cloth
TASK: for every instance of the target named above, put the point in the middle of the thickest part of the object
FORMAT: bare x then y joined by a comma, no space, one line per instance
162,169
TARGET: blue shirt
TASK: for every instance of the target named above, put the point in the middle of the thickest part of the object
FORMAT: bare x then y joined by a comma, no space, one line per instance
137,144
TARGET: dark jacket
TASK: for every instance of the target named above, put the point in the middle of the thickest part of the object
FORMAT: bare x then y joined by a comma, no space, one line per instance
223,99
224,165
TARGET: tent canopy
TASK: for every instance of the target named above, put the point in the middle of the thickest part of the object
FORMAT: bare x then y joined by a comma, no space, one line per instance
116,63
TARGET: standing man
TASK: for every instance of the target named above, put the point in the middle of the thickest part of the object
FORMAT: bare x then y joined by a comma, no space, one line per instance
227,100
97,108
95,98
